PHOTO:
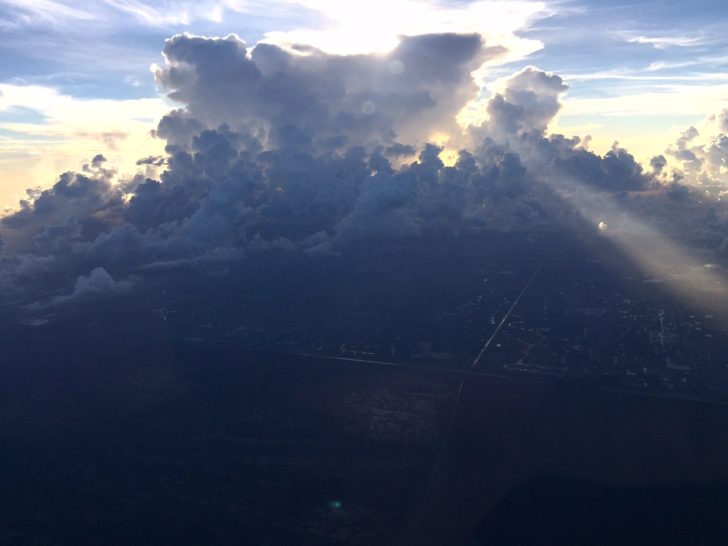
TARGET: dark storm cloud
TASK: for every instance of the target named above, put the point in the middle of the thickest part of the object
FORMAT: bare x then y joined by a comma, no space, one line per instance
309,152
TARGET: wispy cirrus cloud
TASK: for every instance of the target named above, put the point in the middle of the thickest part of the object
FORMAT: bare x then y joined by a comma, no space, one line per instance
45,11
149,14
638,75
663,42
708,62
163,14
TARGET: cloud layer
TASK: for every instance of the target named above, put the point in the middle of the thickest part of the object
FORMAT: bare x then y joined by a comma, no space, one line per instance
305,151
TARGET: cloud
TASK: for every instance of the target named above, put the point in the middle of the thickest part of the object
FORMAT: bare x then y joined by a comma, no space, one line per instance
112,139
155,160
169,14
528,104
658,163
723,120
412,91
700,157
47,11
276,150
384,209
66,130
88,199
97,284
662,42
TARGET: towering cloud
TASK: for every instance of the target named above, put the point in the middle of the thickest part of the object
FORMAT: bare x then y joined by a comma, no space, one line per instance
307,151
330,100
529,103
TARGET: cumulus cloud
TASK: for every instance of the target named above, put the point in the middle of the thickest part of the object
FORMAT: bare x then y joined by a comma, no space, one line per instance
658,163
700,157
411,92
383,209
275,149
529,103
97,284
723,120
87,199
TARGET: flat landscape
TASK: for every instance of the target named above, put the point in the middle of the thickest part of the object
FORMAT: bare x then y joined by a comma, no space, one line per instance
170,422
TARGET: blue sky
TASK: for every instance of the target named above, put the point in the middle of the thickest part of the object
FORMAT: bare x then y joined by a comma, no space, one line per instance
75,77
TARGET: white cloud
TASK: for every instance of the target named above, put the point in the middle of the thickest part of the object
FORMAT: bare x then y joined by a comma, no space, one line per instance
151,15
662,42
48,11
174,13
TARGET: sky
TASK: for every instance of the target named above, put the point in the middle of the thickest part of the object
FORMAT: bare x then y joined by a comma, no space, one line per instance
139,136
75,78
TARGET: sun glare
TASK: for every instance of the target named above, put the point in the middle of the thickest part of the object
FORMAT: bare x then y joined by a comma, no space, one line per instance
661,259
377,25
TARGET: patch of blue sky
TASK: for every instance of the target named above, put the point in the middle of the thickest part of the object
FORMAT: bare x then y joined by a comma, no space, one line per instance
22,114
598,35
116,67
30,136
